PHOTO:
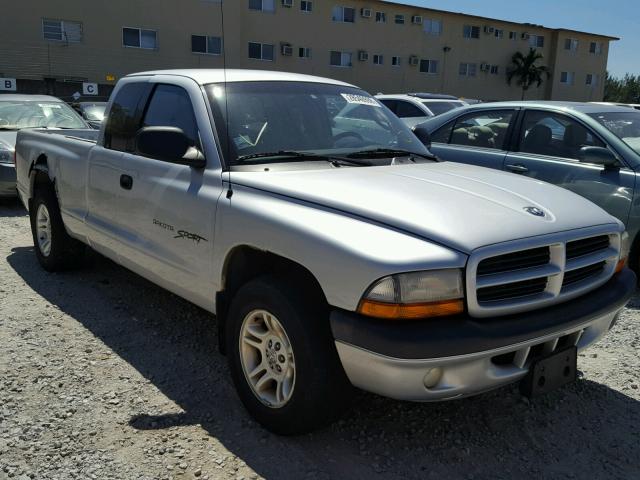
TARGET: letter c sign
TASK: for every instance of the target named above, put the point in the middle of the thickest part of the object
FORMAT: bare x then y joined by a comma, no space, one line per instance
89,88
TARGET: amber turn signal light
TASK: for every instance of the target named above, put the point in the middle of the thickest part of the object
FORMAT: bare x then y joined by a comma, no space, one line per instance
398,311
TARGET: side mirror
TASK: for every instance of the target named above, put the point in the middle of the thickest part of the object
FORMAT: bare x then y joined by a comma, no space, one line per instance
423,135
599,156
169,144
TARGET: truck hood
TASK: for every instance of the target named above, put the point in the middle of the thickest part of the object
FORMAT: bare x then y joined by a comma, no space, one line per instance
461,206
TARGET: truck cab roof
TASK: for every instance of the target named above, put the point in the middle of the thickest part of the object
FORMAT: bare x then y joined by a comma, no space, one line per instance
205,76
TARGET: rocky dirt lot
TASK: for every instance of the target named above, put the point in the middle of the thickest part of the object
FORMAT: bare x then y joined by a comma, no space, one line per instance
106,376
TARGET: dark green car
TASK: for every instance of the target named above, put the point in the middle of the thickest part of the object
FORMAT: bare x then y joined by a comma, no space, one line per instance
590,149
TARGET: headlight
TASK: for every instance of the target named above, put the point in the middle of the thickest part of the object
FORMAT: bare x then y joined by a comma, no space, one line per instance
6,153
415,295
625,247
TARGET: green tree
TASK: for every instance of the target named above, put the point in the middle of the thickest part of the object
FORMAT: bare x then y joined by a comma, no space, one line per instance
622,90
525,71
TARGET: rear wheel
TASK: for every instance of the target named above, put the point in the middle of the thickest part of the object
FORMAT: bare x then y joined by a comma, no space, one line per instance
54,248
283,359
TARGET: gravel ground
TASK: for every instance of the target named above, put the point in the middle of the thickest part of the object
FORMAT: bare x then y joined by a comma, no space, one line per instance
106,376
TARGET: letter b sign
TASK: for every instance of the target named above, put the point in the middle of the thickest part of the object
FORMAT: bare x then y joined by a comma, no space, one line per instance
8,84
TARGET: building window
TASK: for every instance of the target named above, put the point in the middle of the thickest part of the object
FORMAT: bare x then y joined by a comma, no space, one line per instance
494,69
592,80
378,59
595,48
381,17
206,44
262,5
399,19
471,31
571,44
344,14
513,35
499,33
567,78
432,27
306,6
429,66
261,51
304,52
468,69
139,38
395,61
536,41
62,30
340,59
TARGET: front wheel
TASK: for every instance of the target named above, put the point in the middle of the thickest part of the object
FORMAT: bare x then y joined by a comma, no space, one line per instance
55,249
283,359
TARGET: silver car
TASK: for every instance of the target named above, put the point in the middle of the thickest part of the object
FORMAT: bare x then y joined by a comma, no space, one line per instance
28,111
591,149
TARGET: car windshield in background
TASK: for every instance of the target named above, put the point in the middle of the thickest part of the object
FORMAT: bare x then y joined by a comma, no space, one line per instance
624,125
314,118
15,115
94,112
438,108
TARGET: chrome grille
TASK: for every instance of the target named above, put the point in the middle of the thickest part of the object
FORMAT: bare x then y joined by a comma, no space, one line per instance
532,273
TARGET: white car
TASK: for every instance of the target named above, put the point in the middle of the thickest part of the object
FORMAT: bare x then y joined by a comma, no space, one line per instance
415,108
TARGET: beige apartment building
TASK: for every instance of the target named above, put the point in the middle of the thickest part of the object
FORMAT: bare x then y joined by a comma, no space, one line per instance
54,46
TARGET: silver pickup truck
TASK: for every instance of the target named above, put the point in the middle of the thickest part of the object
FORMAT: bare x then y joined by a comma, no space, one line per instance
333,248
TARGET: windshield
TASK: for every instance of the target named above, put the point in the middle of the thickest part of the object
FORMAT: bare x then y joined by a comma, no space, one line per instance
624,125
438,108
317,118
94,112
15,115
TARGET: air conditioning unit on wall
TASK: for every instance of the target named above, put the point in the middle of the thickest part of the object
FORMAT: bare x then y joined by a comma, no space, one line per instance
488,29
365,12
363,56
287,3
413,60
525,36
485,67
286,49
416,19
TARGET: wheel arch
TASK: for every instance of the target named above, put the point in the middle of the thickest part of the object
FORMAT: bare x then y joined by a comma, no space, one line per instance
244,263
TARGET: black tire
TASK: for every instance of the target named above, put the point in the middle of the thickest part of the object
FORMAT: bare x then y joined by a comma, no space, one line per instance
65,252
322,391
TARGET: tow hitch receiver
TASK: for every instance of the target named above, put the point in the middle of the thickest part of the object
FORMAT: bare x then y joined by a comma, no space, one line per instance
550,372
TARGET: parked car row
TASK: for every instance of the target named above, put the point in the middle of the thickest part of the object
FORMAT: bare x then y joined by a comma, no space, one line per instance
590,149
18,112
334,249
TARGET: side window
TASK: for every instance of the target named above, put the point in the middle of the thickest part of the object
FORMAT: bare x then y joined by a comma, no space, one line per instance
555,134
405,110
485,129
170,106
390,104
124,118
443,134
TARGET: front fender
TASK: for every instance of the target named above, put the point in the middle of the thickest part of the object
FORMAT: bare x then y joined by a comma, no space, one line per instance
344,253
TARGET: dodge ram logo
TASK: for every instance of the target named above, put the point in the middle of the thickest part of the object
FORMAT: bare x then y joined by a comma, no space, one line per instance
534,211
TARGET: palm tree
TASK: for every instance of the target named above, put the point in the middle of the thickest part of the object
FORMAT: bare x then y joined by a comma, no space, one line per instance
525,71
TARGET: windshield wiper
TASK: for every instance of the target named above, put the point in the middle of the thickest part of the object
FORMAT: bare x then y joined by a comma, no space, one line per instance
385,152
335,160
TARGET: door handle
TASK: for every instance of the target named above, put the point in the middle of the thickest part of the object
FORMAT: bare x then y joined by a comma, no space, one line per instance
126,182
517,168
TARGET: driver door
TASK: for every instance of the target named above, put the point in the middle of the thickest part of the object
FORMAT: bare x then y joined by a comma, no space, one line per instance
548,149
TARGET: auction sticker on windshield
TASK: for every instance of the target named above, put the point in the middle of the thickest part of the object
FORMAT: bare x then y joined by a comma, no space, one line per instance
360,99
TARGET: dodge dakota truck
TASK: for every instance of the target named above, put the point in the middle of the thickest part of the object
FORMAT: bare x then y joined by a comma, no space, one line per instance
333,249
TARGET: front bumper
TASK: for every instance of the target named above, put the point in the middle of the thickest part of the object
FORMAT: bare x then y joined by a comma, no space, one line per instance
447,358
7,180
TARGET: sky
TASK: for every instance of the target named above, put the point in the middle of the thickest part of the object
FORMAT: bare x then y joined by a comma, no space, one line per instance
618,18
